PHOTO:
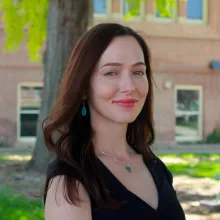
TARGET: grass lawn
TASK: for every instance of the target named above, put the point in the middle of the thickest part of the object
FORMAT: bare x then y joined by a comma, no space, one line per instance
194,165
14,158
3,157
19,207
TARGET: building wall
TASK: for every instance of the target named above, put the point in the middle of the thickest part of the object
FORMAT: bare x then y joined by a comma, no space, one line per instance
181,53
182,50
165,101
15,68
185,62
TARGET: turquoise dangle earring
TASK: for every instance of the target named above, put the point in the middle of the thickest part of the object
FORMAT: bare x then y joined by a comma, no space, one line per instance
83,111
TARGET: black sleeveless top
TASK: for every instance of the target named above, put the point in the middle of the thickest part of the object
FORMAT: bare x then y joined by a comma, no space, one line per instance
135,208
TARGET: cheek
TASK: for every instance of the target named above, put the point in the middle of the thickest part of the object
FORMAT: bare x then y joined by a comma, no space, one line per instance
102,90
142,88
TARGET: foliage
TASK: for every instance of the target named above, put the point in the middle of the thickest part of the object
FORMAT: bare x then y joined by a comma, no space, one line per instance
164,6
18,207
217,176
28,19
133,8
214,137
25,19
2,144
3,158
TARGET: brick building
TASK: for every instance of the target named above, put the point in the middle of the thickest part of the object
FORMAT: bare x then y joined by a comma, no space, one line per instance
183,47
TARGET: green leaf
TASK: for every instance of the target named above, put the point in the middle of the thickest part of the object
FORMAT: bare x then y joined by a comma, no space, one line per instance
165,7
25,20
128,15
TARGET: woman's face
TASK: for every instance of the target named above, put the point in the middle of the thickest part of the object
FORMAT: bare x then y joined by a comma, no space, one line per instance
119,84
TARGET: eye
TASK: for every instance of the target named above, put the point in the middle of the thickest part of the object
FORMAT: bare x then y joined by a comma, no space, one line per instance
138,73
110,74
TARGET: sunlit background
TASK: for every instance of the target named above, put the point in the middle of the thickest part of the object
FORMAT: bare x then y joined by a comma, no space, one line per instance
184,39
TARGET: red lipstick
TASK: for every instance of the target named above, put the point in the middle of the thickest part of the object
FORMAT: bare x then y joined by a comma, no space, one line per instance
126,103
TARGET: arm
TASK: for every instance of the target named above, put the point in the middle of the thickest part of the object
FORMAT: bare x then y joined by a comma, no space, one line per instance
57,208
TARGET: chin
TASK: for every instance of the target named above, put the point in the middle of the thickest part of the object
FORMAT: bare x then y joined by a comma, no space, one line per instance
126,120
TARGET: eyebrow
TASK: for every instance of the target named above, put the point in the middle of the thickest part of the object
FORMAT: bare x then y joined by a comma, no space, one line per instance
120,64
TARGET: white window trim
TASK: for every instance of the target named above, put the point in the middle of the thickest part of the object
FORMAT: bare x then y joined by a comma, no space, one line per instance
200,112
151,17
19,111
108,10
133,18
204,20
37,95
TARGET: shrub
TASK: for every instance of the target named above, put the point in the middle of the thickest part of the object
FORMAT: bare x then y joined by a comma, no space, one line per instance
2,143
214,137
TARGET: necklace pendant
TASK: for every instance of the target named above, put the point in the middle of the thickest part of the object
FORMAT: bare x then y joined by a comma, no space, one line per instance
128,168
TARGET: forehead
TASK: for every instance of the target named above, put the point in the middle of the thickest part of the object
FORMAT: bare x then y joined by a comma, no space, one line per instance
125,50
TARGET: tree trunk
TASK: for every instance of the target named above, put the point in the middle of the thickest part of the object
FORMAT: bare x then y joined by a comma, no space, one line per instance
67,21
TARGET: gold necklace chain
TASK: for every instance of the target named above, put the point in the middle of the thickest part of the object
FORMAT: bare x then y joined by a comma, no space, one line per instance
127,166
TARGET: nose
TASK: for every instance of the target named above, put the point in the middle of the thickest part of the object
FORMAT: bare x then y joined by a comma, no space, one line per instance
126,84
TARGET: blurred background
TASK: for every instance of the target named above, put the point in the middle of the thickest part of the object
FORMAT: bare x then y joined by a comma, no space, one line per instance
36,39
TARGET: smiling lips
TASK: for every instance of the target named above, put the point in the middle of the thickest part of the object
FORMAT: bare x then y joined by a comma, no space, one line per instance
126,103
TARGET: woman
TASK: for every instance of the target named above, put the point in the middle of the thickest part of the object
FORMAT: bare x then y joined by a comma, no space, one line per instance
100,131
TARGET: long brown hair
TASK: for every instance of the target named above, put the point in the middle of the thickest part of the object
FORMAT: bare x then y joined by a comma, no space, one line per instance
69,135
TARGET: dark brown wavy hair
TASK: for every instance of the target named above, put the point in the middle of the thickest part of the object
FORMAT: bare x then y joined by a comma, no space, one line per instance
69,135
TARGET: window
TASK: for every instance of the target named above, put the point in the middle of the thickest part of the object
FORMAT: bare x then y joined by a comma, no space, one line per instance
188,113
195,9
168,13
100,6
28,110
28,123
38,92
26,91
131,8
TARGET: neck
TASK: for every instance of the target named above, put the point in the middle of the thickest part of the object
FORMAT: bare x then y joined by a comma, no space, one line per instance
110,139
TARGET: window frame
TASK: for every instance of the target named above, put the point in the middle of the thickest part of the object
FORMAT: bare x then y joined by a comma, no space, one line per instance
108,10
204,20
198,88
165,20
133,18
19,111
176,19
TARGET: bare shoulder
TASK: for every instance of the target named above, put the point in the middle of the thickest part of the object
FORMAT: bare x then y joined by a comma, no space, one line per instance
56,206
